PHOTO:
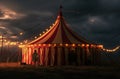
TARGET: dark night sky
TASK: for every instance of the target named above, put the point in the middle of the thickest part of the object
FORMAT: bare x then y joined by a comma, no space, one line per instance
96,20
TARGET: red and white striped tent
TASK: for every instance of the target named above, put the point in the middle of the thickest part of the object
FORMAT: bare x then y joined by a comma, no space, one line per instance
55,44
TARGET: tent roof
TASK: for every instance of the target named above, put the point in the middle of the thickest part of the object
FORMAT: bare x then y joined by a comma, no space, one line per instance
59,32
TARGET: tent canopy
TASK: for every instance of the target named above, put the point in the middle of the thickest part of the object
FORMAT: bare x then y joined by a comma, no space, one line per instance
59,33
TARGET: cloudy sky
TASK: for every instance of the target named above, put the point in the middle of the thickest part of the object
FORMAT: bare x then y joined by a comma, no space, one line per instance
96,20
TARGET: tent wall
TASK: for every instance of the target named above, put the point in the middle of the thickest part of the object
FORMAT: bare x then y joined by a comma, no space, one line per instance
59,55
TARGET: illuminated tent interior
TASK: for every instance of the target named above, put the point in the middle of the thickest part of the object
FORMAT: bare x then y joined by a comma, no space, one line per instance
58,45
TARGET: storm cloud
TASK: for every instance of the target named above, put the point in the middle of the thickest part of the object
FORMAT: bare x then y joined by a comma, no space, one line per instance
96,20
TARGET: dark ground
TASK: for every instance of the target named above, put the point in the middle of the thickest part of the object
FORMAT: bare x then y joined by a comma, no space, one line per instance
63,72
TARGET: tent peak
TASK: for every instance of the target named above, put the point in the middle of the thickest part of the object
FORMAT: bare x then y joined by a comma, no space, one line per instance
60,10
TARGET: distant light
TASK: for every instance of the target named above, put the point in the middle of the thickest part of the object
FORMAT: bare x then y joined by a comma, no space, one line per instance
53,24
21,33
40,34
92,20
111,50
21,46
25,41
46,29
5,40
21,43
13,43
35,37
1,36
43,31
13,36
50,26
100,46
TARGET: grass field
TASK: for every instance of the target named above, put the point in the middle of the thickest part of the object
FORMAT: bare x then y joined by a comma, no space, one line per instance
10,71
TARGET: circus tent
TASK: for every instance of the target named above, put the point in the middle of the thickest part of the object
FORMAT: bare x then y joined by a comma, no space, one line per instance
56,44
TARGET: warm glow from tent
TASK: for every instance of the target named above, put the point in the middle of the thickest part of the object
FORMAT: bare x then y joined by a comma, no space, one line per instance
73,45
49,44
83,45
79,45
35,45
54,44
13,43
44,44
61,44
21,43
92,45
39,44
66,44
31,45
21,46
87,45
100,46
